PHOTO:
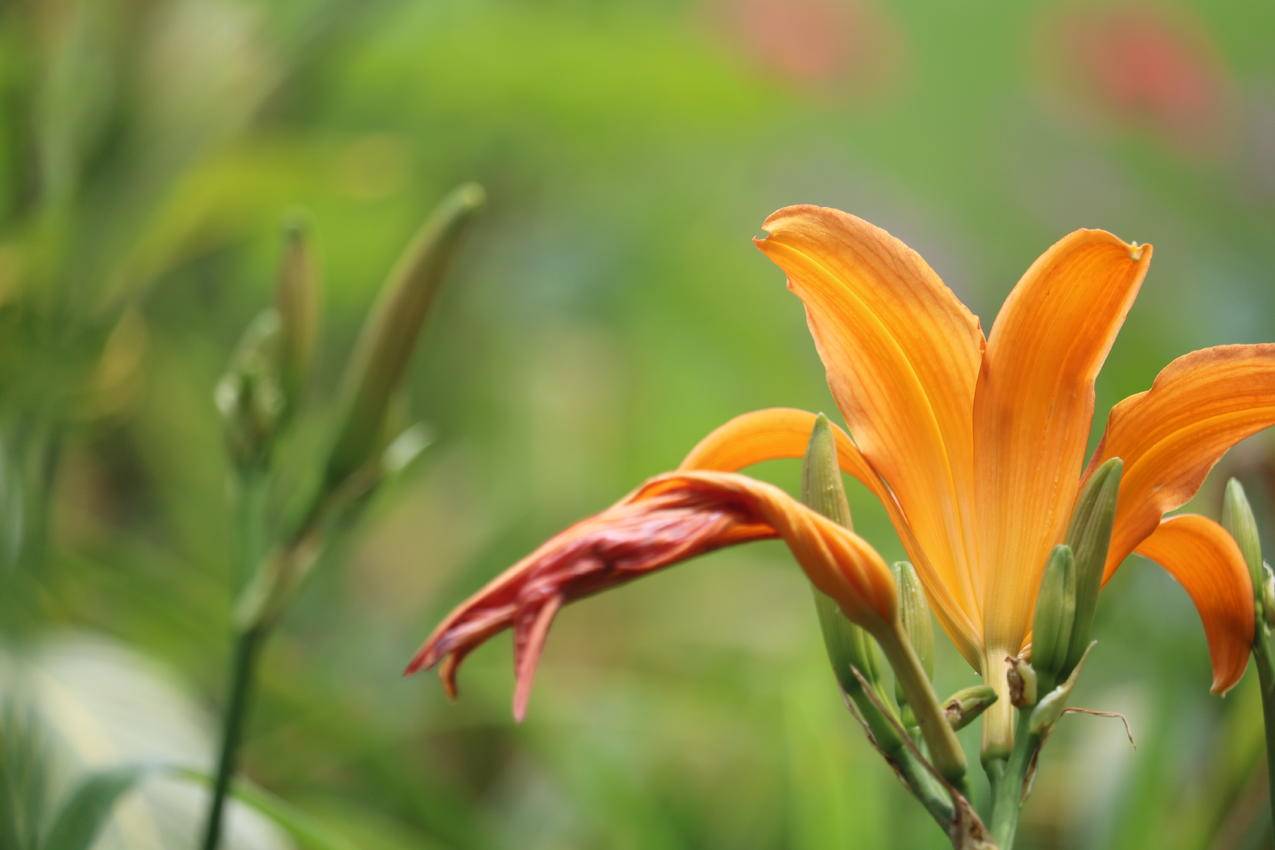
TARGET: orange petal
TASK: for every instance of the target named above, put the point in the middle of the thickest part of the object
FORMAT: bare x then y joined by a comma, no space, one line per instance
1205,560
784,432
670,519
1032,412
1171,435
771,434
902,354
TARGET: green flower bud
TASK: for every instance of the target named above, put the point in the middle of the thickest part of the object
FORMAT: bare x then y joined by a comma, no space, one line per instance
1055,613
380,357
962,707
914,612
297,297
1238,520
249,395
823,490
1089,538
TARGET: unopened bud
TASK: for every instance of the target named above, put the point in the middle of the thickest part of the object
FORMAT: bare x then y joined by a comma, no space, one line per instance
1055,613
823,490
249,395
1089,538
914,613
962,707
297,297
1022,682
1238,520
389,335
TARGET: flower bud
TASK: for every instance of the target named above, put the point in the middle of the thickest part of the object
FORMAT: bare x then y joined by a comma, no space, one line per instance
297,302
249,395
380,357
1238,520
1089,538
823,490
1055,613
914,612
962,707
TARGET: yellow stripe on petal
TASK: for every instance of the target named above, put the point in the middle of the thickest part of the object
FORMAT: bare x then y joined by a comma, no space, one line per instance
784,432
902,355
1032,411
1205,560
1171,435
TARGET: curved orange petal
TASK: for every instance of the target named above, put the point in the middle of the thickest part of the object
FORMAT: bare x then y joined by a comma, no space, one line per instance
1205,560
784,432
1032,411
669,519
1170,436
902,354
770,434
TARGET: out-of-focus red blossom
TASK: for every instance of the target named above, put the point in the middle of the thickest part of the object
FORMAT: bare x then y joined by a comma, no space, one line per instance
1140,65
669,519
813,41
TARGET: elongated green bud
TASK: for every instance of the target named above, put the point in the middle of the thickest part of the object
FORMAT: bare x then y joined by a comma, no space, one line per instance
962,707
297,297
1238,520
380,357
914,613
847,645
823,490
821,486
1089,538
1055,613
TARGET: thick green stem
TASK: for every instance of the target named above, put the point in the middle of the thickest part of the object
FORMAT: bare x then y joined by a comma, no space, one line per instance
1007,778
945,750
242,671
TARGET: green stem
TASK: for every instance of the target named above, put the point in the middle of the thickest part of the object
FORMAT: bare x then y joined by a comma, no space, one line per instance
1007,778
250,499
1264,658
945,750
243,667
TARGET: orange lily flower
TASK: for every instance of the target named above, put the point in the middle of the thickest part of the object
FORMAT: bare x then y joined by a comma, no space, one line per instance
974,446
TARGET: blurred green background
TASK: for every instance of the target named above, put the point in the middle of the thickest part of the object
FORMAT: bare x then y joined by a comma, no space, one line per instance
606,312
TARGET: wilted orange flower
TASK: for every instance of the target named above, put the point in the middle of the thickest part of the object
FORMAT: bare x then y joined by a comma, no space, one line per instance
974,446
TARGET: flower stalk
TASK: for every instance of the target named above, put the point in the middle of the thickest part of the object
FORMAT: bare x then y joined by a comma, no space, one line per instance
261,390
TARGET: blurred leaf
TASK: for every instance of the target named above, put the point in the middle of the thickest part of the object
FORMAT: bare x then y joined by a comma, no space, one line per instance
88,808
